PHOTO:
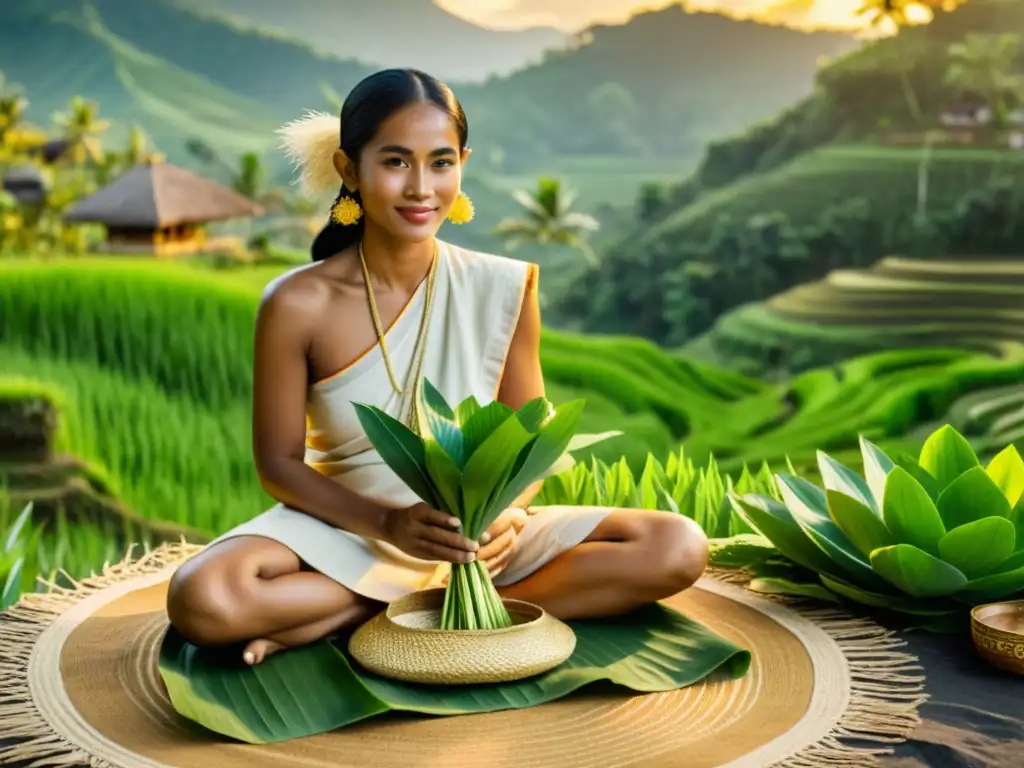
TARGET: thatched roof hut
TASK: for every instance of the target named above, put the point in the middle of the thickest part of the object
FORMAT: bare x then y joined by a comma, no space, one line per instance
161,208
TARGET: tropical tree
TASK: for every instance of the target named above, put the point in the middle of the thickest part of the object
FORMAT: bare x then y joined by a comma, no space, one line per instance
897,15
135,153
982,65
548,219
82,128
12,105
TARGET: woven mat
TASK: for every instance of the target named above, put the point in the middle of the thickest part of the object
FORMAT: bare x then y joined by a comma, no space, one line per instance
79,686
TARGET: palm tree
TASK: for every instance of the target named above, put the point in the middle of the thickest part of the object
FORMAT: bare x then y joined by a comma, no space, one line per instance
549,220
82,128
982,65
12,106
894,13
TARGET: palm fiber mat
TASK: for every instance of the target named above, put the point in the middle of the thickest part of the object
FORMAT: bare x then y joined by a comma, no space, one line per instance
79,685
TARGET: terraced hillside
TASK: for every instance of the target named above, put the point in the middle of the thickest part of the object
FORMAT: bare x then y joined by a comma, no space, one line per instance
898,302
154,359
885,177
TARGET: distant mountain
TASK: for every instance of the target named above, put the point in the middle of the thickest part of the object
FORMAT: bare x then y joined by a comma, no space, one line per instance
414,33
176,74
667,81
662,85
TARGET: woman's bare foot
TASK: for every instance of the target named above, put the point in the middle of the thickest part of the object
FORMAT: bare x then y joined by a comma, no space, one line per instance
258,650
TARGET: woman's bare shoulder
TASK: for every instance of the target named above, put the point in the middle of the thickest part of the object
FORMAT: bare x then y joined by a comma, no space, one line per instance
301,294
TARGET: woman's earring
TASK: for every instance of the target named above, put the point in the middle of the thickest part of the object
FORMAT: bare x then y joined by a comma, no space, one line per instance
346,211
462,210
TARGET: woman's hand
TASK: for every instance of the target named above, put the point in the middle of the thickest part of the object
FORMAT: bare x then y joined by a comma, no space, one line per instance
423,532
498,542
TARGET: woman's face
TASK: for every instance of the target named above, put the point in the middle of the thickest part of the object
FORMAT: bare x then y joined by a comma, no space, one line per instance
410,174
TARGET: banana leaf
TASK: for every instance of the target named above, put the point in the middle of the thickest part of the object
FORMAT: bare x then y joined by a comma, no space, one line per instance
317,688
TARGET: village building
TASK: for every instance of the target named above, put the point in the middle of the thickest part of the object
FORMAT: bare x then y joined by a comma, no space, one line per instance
160,208
965,114
26,185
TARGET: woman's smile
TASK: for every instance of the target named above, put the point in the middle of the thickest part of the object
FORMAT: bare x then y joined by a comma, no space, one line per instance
417,214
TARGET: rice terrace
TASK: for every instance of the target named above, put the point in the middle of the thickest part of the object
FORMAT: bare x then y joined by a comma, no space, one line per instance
782,317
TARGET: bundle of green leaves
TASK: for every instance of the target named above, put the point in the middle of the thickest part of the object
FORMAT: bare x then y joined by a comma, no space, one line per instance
473,462
925,537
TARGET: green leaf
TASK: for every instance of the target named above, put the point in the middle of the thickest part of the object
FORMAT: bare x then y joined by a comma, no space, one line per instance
775,586
808,504
14,535
446,477
1007,471
740,551
488,470
909,512
972,496
837,477
995,586
1014,561
652,483
909,463
550,443
860,524
464,411
435,422
980,547
649,650
916,572
621,486
435,401
12,586
482,425
877,466
773,520
400,448
533,413
937,607
581,441
946,455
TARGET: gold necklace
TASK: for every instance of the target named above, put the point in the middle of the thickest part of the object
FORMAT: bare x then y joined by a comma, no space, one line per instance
419,350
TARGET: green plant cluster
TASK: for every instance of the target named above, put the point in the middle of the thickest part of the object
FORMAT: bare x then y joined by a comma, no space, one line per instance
678,485
472,462
924,536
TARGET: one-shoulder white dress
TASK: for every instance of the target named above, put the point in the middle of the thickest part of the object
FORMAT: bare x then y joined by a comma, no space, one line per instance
474,312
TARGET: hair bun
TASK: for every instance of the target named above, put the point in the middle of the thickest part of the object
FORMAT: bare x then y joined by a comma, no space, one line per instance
310,142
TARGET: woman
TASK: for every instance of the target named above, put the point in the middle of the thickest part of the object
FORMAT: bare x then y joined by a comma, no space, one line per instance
348,536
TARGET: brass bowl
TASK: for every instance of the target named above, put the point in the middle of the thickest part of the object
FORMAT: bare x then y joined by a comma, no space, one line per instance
998,633
404,643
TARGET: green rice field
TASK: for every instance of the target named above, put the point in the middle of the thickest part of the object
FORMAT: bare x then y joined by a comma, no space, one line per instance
972,304
152,360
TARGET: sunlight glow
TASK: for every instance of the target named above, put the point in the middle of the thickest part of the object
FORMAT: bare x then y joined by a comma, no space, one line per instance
573,15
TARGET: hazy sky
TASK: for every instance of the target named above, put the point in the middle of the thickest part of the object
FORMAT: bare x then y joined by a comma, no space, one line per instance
572,15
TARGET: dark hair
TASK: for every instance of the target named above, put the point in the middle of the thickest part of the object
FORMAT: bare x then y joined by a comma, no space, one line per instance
372,101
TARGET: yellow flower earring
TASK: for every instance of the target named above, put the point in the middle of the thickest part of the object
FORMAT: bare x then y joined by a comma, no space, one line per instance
346,211
462,209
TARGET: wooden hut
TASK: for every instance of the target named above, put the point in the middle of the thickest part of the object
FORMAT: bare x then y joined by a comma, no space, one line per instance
160,208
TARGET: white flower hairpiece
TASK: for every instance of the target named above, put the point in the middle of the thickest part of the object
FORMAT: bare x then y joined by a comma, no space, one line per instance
310,142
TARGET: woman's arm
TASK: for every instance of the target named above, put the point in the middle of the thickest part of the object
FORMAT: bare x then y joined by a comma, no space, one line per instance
287,316
522,379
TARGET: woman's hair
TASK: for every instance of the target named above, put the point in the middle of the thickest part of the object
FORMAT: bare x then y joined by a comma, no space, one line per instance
372,101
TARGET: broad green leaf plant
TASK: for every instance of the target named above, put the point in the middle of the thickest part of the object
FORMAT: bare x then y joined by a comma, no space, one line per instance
473,462
926,536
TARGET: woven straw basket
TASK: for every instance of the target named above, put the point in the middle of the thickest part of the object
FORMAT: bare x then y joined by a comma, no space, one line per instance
403,643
